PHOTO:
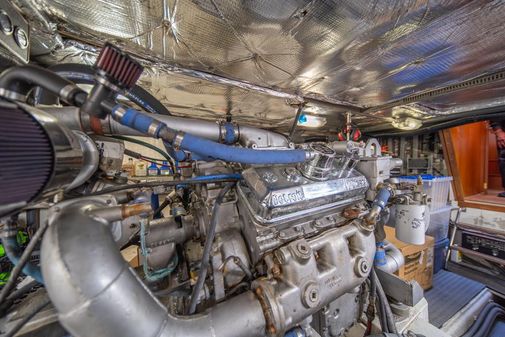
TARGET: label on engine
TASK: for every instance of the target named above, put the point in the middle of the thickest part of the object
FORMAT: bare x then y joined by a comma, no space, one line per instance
287,197
332,187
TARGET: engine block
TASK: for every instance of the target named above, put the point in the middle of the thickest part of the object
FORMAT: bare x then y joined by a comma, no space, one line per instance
279,204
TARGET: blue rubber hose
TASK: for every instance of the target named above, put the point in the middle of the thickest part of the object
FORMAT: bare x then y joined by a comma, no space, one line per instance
14,253
228,153
201,146
382,197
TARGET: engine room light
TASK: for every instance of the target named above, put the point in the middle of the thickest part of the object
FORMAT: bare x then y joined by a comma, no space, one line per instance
407,123
311,121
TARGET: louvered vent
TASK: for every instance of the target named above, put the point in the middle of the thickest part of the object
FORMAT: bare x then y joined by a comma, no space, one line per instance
26,157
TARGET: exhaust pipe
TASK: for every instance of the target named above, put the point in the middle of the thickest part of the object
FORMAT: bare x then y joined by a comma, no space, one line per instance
96,293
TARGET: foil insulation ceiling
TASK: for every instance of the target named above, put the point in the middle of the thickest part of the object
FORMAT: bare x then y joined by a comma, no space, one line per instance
259,59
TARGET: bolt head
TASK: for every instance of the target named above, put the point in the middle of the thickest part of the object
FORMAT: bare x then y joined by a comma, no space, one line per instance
361,267
311,296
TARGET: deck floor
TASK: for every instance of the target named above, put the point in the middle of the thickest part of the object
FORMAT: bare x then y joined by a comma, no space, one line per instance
449,294
491,197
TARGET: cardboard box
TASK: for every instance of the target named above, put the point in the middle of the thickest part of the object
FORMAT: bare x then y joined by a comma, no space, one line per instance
418,259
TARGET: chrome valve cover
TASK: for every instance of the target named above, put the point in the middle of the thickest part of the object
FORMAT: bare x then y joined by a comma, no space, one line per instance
278,204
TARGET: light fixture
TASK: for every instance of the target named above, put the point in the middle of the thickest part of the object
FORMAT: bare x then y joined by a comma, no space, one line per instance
311,121
407,123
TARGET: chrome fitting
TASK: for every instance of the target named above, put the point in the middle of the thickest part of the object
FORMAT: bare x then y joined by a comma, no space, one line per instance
178,140
12,95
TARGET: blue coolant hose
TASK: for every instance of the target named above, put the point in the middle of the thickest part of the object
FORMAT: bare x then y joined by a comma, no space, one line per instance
242,155
204,147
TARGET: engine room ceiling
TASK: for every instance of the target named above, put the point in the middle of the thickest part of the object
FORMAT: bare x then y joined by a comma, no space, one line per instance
259,59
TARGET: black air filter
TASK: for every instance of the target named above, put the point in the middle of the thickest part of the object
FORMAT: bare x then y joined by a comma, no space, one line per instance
26,156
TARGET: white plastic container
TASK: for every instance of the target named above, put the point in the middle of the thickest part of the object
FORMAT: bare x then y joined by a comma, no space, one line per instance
438,226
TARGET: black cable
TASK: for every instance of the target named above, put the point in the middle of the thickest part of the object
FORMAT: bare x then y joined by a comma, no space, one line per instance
202,273
481,319
160,183
21,79
370,313
385,305
137,155
85,74
164,204
488,322
27,253
149,146
18,293
27,318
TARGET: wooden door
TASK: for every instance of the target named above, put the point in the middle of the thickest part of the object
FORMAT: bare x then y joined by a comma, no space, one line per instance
470,155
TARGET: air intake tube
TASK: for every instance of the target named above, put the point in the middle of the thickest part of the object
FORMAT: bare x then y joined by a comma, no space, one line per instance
96,293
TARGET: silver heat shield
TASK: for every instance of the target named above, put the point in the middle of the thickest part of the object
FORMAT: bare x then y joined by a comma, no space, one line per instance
258,59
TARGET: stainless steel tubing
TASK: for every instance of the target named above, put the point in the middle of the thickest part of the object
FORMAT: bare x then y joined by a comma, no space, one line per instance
96,293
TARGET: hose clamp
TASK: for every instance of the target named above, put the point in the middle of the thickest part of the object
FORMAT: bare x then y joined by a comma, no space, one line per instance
154,129
101,78
67,92
228,132
12,95
179,137
118,113
309,155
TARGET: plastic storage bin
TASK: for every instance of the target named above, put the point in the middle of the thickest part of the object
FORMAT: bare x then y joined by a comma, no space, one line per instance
439,254
439,223
437,188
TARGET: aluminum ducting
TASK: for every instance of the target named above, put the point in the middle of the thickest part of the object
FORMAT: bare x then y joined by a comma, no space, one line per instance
96,293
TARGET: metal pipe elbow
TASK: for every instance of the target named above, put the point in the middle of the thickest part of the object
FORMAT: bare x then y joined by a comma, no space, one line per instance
96,293
394,258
